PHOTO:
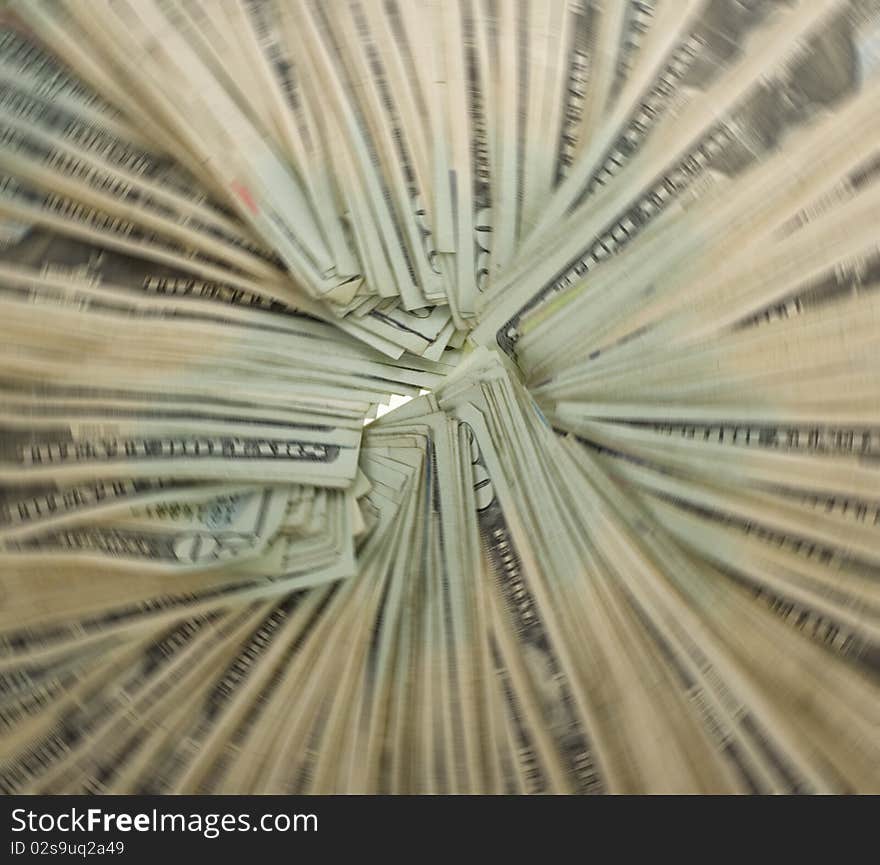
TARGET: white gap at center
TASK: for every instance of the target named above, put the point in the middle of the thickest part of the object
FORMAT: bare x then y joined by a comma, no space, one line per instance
395,402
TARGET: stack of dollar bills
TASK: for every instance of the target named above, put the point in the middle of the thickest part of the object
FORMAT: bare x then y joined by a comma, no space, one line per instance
615,259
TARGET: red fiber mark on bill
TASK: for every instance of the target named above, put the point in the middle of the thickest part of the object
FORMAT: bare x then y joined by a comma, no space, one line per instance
245,195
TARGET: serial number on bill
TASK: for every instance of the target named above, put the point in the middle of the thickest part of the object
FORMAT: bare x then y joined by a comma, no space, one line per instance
66,848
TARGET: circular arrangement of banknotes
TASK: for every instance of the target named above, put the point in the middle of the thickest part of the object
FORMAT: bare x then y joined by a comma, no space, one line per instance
616,261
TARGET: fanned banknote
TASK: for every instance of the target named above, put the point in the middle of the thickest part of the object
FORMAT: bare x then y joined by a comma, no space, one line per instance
439,396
